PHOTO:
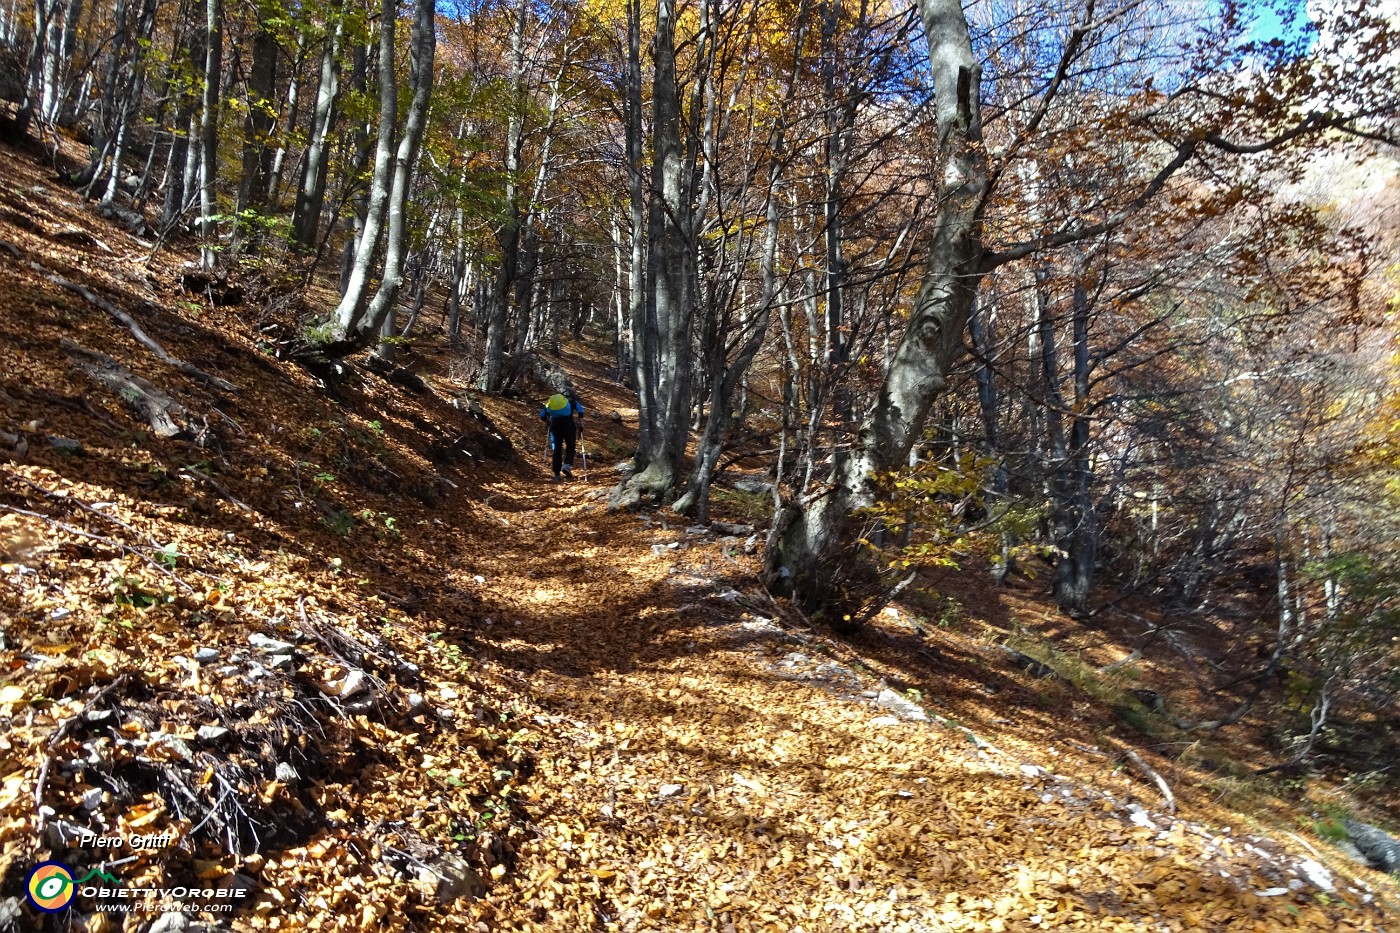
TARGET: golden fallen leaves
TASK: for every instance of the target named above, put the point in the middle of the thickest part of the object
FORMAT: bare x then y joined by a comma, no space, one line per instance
566,676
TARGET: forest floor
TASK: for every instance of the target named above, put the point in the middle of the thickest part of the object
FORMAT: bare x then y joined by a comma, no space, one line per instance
355,654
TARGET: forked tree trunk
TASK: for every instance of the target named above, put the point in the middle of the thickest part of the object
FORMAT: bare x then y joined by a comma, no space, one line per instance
355,290
729,374
814,548
131,101
388,208
664,349
311,193
405,162
292,112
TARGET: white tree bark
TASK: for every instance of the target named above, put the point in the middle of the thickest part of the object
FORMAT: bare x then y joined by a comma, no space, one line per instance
349,311
306,216
406,160
209,128
810,550
664,344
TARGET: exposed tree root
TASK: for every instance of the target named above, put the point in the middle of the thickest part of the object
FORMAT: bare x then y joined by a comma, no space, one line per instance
103,304
167,417
1152,775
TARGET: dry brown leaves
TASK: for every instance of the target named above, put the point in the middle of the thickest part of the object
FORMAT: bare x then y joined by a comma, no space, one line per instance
604,730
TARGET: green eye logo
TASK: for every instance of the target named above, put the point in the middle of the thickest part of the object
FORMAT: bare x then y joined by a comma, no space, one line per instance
50,887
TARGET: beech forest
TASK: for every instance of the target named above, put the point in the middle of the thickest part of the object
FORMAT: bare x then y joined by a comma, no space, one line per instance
715,465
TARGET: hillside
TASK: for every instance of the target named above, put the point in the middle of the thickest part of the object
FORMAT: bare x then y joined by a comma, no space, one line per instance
343,645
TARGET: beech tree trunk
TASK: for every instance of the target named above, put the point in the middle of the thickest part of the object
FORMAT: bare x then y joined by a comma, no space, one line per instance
664,341
355,287
209,128
729,374
255,184
814,551
508,236
636,207
389,209
311,193
1074,574
459,283
292,112
131,100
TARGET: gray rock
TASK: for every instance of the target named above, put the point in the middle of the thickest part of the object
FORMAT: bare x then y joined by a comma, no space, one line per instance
65,445
1349,849
100,717
354,684
286,773
179,746
61,834
456,878
1382,850
92,798
10,914
172,921
751,484
737,531
281,662
211,734
270,645
206,655
133,221
1319,876
904,709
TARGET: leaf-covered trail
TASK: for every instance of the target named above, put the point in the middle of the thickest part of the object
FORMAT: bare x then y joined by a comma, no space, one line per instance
353,652
701,766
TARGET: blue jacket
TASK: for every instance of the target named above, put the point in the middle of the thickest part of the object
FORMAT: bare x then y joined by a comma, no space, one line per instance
569,408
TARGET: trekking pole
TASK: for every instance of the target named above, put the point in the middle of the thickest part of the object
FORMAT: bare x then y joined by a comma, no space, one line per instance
584,450
546,444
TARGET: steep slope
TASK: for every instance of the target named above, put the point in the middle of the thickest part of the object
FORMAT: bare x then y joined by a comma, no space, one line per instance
342,645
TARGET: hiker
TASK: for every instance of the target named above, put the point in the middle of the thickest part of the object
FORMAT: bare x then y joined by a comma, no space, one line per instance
559,411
